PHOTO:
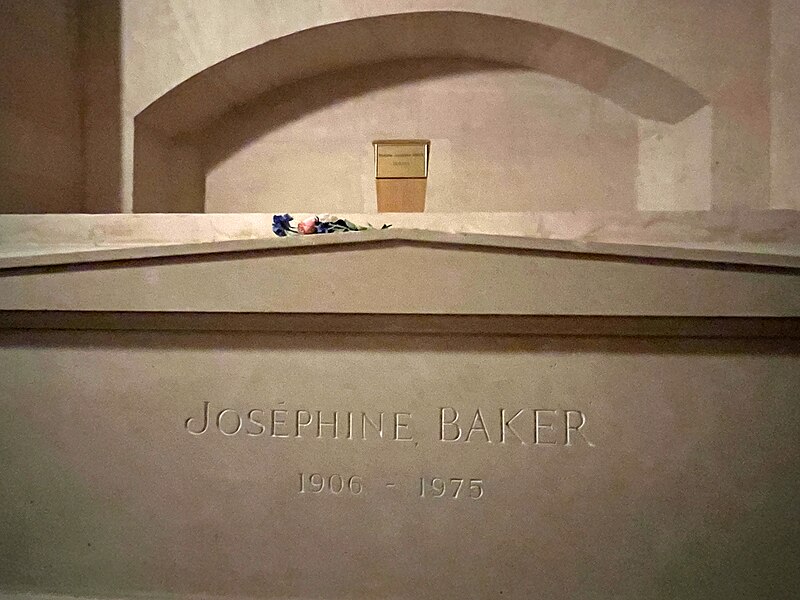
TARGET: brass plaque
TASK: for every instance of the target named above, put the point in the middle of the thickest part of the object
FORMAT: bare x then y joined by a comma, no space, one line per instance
401,159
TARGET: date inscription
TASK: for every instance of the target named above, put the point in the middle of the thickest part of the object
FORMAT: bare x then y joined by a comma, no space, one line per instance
454,487
427,487
316,483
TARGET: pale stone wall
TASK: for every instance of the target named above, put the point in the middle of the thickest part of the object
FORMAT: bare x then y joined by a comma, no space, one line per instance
572,129
785,151
719,159
708,44
501,140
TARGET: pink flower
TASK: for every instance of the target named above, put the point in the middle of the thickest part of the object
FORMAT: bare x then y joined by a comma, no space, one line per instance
308,226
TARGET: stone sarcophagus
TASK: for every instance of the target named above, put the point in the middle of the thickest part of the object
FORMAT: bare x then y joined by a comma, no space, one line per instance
400,414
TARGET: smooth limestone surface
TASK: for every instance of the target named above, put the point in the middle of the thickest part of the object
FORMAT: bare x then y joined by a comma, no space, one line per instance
644,105
169,430
750,231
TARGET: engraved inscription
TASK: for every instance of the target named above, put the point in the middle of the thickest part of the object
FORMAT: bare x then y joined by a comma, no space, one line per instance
401,160
316,483
303,423
454,487
535,427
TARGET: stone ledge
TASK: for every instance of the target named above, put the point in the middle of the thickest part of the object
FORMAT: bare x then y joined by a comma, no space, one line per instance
768,231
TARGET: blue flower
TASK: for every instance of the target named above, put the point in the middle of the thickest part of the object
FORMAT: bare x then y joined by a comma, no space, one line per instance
281,224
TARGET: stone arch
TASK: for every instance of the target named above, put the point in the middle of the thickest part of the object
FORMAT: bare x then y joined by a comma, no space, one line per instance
168,169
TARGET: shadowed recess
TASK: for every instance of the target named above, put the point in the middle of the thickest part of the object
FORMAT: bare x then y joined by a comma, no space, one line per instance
170,154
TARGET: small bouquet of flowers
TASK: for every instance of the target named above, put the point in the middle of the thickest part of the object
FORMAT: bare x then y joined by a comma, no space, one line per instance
282,225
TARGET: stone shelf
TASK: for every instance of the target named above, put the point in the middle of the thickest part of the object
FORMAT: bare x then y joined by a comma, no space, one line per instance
771,232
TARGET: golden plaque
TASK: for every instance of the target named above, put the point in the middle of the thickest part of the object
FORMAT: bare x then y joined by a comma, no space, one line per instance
401,174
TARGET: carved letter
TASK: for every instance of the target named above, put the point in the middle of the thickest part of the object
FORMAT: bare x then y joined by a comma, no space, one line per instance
540,426
299,423
334,424
205,421
452,422
402,425
251,417
349,425
275,422
238,421
478,425
576,428
379,428
506,425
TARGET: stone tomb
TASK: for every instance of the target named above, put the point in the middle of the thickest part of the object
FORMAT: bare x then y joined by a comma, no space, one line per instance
400,414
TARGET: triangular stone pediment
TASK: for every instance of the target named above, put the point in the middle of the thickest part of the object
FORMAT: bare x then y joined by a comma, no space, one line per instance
402,237
406,272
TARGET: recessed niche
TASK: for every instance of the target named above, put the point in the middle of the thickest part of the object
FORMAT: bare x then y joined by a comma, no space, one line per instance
522,117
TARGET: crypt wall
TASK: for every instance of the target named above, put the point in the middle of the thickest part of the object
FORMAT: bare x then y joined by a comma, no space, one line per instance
517,125
633,121
693,151
716,156
623,106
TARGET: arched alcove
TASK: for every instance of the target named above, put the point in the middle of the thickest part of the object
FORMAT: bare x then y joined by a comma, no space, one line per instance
188,132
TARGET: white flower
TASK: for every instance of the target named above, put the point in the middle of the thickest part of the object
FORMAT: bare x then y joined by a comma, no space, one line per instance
326,218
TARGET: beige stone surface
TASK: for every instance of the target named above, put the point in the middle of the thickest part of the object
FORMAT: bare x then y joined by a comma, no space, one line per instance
565,149
785,104
637,465
407,272
669,420
751,231
675,164
195,106
703,44
647,305
224,518
502,140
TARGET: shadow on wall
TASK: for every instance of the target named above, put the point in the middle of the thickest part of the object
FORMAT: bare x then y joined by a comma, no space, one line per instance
238,128
504,139
60,123
102,103
198,125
